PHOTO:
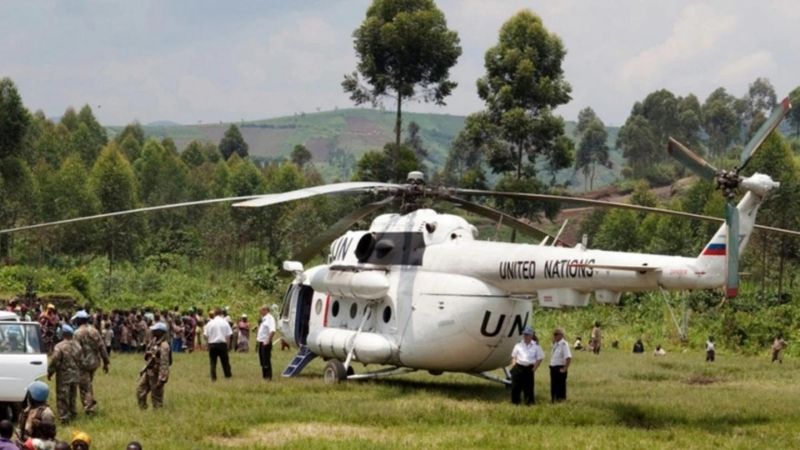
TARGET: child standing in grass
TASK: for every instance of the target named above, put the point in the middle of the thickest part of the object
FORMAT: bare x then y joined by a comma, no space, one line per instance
777,349
710,349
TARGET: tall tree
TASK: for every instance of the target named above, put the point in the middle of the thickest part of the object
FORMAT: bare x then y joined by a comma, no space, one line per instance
524,81
720,120
585,118
414,140
14,119
402,46
592,151
113,183
300,155
233,142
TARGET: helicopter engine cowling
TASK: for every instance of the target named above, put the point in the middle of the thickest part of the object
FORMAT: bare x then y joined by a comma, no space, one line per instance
369,348
361,285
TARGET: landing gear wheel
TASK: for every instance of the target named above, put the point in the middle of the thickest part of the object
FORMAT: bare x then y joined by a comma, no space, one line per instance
350,370
334,372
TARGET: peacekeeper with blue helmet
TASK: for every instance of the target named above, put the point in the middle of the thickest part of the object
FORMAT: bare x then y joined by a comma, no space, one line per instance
65,364
155,373
37,420
94,352
525,359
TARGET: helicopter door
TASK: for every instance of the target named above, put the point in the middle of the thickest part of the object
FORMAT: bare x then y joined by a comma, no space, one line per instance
304,296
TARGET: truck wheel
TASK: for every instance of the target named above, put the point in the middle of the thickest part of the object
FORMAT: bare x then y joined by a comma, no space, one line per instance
334,372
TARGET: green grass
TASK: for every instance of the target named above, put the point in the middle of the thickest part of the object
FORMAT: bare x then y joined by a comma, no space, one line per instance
616,400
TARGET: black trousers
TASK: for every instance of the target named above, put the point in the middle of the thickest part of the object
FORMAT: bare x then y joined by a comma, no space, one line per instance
558,384
219,350
265,358
522,382
710,355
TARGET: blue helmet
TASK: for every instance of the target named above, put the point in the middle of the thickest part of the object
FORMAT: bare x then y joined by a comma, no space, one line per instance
159,326
66,329
39,391
528,331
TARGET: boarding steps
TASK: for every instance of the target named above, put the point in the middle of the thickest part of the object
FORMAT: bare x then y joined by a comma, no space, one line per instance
299,362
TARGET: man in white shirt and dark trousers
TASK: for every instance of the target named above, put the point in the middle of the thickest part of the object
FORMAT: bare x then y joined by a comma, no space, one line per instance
266,330
559,366
217,332
526,357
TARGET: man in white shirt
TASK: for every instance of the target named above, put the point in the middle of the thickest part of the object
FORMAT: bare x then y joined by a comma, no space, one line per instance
266,329
525,358
217,331
559,366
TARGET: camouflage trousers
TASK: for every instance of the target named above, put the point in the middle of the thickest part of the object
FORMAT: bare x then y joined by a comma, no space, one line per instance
148,383
66,398
87,391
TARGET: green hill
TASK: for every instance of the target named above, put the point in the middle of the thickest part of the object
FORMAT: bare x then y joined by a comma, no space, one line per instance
337,138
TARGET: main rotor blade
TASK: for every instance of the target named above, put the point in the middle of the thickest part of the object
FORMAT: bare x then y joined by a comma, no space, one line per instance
348,187
691,160
337,229
763,131
498,215
605,204
130,211
732,281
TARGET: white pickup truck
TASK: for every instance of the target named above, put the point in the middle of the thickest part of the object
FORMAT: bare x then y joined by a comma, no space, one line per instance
21,360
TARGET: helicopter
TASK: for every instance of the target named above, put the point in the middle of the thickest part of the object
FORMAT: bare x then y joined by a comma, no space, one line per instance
418,290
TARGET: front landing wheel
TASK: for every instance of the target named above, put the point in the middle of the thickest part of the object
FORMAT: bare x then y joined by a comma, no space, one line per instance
334,372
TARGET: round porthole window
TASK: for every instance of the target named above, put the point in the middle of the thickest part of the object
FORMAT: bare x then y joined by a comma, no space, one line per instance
318,306
353,311
387,314
335,308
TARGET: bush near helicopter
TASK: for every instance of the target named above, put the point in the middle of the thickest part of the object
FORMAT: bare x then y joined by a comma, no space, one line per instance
418,291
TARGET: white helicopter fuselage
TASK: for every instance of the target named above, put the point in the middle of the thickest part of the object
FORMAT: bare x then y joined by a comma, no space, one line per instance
419,291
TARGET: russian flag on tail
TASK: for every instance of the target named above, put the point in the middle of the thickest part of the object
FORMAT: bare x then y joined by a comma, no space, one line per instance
714,250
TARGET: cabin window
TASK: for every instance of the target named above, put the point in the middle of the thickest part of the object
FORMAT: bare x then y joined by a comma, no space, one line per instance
387,314
335,308
353,311
318,306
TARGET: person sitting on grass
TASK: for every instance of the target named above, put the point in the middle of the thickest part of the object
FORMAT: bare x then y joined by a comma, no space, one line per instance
659,351
578,345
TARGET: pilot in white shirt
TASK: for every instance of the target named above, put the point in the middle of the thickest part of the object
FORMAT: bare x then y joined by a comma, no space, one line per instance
559,366
526,358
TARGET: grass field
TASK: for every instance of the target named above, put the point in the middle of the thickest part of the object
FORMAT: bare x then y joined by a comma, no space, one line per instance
616,400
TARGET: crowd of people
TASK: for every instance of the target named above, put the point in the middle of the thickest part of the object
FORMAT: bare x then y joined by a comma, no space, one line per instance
79,343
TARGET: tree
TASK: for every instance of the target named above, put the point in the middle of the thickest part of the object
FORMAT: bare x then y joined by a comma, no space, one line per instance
193,155
757,104
300,155
14,119
70,119
414,141
233,142
114,185
585,118
592,151
133,130
130,147
390,165
720,121
402,46
524,81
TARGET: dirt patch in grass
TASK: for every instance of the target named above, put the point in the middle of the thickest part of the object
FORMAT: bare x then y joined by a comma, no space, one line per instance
703,379
280,434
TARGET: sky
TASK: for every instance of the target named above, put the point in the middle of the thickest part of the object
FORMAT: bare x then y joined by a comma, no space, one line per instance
203,61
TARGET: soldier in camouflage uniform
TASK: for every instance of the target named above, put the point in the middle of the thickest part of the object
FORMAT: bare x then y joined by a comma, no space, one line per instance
94,351
65,363
156,373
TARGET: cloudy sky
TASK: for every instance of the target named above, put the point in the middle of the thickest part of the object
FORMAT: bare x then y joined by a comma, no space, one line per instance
199,60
